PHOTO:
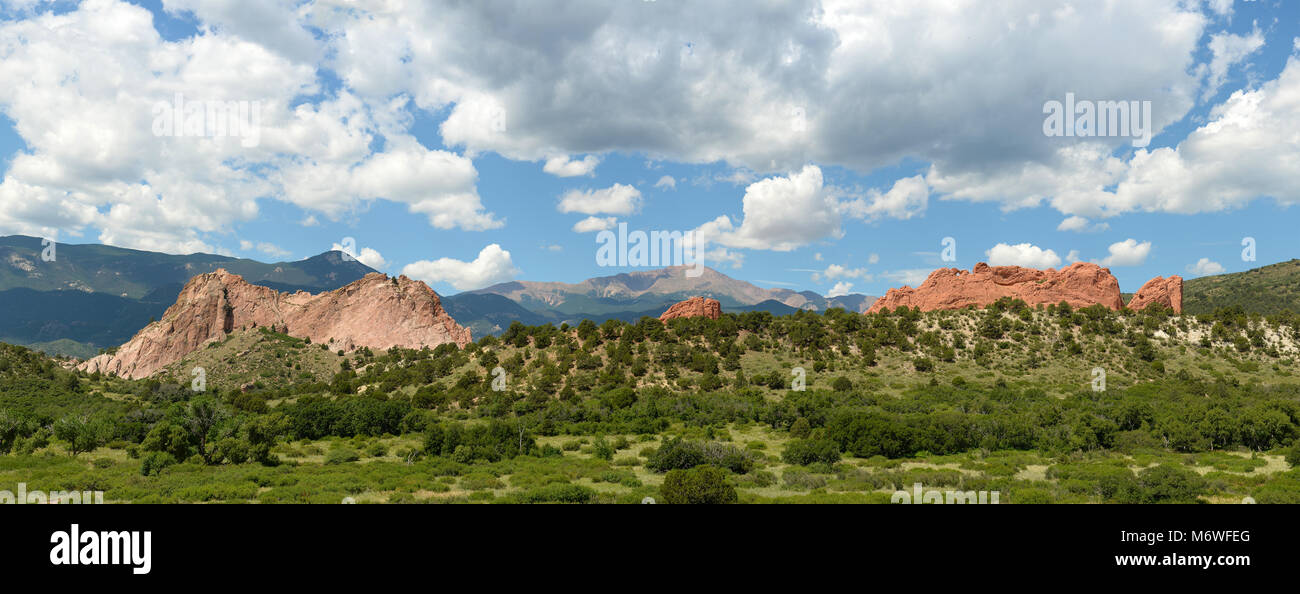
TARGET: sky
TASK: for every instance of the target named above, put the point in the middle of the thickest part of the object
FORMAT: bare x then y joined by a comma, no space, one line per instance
833,146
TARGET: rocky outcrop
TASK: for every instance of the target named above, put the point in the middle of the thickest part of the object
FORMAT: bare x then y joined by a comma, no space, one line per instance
1164,291
695,307
376,312
1080,284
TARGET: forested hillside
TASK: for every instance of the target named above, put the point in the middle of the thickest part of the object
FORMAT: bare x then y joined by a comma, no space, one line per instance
1266,290
833,407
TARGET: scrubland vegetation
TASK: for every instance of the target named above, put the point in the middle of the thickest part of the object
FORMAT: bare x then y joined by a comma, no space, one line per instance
818,408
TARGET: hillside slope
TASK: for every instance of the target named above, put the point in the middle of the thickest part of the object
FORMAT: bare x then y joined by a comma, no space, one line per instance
1265,290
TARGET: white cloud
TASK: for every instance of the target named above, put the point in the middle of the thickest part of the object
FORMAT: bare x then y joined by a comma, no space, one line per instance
907,198
1022,254
1081,224
1126,253
591,224
1204,267
274,24
837,82
309,221
493,265
617,199
1245,151
835,271
1228,50
562,166
1072,257
873,259
368,256
840,289
666,181
92,83
1220,7
437,184
780,213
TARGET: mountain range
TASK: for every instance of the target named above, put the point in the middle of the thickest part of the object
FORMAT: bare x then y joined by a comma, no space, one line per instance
89,297
92,297
628,297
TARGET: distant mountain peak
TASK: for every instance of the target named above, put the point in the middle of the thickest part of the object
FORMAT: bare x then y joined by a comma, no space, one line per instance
667,285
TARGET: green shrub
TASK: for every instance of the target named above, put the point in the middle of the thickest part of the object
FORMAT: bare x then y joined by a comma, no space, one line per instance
802,452
555,493
796,478
680,455
699,485
480,481
153,462
342,455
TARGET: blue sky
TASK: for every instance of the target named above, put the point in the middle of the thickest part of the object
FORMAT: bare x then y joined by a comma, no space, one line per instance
655,94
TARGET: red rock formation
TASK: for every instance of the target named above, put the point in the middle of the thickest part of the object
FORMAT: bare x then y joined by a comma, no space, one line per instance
376,311
1165,291
693,308
1080,284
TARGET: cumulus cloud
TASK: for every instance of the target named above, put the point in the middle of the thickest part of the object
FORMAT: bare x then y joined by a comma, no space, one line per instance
1126,253
87,88
591,224
1229,50
562,166
1220,7
1204,267
833,82
840,289
780,213
835,271
907,198
368,256
666,182
493,265
617,199
437,184
1022,254
1081,224
1246,150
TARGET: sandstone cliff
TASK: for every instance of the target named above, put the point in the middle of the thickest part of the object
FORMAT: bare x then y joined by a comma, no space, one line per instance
1080,284
693,308
1165,291
376,312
